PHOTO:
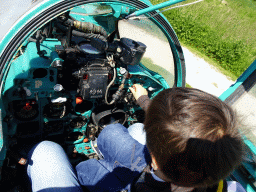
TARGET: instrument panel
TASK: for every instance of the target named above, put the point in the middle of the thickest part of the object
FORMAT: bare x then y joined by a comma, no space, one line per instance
65,97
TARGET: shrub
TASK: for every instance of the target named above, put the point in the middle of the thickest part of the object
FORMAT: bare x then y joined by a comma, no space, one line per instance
228,53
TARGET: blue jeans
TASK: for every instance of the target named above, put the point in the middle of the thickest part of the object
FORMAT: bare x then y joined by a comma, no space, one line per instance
50,170
124,159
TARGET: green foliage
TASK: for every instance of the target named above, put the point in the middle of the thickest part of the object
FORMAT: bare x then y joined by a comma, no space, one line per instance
228,53
189,86
223,32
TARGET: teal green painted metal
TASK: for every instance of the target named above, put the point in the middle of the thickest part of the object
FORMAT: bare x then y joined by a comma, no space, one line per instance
178,64
147,2
1,135
250,168
25,19
179,73
30,15
3,131
155,7
239,81
168,3
142,70
47,4
250,145
243,181
20,67
89,10
118,10
81,148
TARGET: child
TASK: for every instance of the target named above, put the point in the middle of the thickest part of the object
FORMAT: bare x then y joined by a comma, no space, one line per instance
192,144
192,138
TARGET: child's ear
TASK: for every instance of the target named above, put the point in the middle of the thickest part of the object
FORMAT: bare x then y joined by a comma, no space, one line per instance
154,163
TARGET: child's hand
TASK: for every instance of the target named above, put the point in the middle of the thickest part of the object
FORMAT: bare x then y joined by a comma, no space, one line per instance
137,91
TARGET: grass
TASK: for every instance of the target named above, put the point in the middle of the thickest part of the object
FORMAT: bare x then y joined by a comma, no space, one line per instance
222,31
187,85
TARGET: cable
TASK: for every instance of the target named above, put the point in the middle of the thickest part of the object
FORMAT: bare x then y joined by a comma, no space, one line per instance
64,112
112,64
80,34
145,17
106,94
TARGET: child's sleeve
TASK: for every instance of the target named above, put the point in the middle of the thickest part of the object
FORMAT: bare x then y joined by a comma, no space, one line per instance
144,101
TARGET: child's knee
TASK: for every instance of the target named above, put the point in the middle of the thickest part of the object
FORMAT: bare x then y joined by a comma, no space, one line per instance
110,132
44,149
49,146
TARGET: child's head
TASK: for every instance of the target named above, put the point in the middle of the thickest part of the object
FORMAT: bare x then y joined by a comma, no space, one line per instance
193,137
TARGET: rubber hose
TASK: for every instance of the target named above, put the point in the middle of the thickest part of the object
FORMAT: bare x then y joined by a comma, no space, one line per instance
87,27
81,34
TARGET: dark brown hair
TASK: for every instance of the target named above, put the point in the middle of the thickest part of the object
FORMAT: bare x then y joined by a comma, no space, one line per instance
193,136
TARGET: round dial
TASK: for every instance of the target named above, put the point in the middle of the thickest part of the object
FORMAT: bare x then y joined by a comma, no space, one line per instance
25,110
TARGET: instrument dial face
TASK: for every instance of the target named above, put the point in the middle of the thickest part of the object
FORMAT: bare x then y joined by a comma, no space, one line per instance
55,110
25,111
